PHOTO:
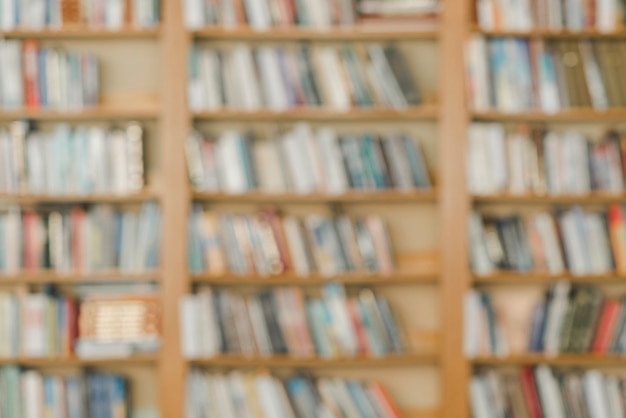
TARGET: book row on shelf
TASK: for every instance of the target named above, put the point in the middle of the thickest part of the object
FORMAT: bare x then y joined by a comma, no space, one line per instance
305,161
283,321
47,77
66,239
569,319
29,393
285,77
534,161
573,240
572,15
513,75
268,243
71,161
88,325
260,394
264,14
546,392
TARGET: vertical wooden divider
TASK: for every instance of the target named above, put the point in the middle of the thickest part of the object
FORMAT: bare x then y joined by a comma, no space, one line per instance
454,208
175,202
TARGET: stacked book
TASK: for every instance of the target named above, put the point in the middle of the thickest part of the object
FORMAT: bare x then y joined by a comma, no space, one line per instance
285,77
533,161
515,75
68,161
44,77
77,239
569,319
260,394
303,161
573,240
29,393
571,15
543,392
56,14
49,325
266,243
283,321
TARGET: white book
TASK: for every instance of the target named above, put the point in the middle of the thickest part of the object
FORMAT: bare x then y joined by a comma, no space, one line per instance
190,330
334,172
549,393
554,321
8,15
34,334
575,242
239,395
308,144
230,165
223,397
479,256
13,238
614,396
274,89
32,394
267,155
595,395
547,231
515,148
478,73
386,77
296,244
100,158
335,299
210,336
194,14
259,327
299,166
344,399
114,14
606,15
496,149
268,398
328,71
574,18
555,15
258,14
598,244
319,13
33,14
480,401
11,73
575,168
283,400
244,73
472,323
549,89
552,153
228,15
209,66
36,163
119,158
486,14
53,75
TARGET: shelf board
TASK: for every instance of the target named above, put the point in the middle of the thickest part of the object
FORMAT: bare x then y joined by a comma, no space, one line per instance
351,33
383,196
517,278
104,112
527,199
44,277
94,198
403,360
81,33
561,360
145,359
364,279
550,33
569,116
425,112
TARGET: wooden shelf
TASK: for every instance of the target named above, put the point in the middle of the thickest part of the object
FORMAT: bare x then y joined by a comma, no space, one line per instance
364,279
569,116
32,199
517,278
352,33
105,112
144,359
425,112
81,33
561,360
404,360
550,33
44,277
588,199
383,196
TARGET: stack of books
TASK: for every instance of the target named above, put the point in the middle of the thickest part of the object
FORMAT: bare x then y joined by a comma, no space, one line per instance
524,15
237,395
580,242
283,321
569,319
71,161
533,161
82,240
57,14
285,77
304,161
266,243
515,75
543,392
29,393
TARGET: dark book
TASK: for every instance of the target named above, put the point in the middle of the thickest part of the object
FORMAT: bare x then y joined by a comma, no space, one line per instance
402,73
391,325
270,309
308,81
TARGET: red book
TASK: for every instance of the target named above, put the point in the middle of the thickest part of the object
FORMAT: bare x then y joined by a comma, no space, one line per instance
606,326
271,216
384,400
359,331
616,233
72,324
530,393
31,76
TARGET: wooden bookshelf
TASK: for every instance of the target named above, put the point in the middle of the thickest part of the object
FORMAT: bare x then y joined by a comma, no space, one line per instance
576,360
48,277
32,199
383,196
564,116
354,33
586,199
517,278
63,362
104,112
400,360
82,33
550,34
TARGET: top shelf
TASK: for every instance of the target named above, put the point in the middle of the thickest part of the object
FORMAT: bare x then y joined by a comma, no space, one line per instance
82,33
550,34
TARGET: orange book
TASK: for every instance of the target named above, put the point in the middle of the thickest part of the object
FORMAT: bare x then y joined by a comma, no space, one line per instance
31,76
606,326
384,400
616,232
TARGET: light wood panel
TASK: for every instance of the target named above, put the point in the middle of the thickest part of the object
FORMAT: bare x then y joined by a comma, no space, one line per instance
81,33
582,360
567,115
58,362
391,196
42,277
516,278
348,33
31,199
316,114
593,198
551,34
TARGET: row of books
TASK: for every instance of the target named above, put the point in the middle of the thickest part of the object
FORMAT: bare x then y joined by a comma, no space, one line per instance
47,77
29,393
264,14
304,161
47,324
262,395
281,78
285,321
544,392
525,160
572,15
570,319
580,242
66,161
514,75
56,14
268,243
78,239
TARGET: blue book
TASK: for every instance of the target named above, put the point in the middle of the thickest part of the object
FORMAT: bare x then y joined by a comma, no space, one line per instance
538,319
